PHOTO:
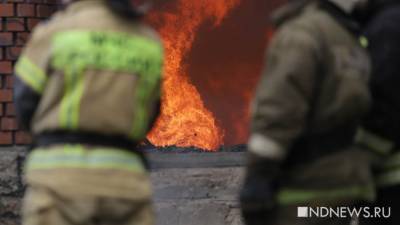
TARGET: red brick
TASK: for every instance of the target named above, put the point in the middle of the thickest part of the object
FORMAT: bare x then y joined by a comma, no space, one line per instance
6,67
8,124
1,54
15,24
12,53
10,109
1,110
22,138
22,38
25,10
9,81
6,10
6,138
6,39
44,11
32,23
6,95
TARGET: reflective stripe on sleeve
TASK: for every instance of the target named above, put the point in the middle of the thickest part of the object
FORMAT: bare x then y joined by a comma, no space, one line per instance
390,174
77,157
392,162
31,74
389,178
266,147
364,42
293,196
374,142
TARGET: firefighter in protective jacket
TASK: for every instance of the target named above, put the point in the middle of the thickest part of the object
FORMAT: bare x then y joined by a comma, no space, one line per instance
309,103
87,87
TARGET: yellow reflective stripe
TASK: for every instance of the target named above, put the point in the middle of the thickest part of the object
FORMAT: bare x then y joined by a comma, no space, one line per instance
293,196
141,117
31,74
374,142
76,157
111,51
147,88
70,104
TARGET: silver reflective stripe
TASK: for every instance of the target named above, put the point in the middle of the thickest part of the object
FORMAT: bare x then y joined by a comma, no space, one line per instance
389,179
374,142
390,174
266,147
392,162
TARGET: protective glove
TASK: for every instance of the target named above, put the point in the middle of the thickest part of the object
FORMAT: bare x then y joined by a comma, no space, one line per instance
259,192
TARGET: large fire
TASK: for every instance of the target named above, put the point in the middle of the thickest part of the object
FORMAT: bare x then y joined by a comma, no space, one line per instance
184,120
214,51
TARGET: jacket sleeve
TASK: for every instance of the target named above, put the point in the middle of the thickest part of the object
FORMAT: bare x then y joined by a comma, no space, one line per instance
383,35
26,101
31,76
284,94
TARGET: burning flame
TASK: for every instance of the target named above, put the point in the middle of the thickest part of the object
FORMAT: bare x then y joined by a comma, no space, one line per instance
184,120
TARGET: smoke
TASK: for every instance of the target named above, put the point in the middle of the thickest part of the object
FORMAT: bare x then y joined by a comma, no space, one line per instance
226,64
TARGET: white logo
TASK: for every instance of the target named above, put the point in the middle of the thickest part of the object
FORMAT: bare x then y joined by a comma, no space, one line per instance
302,212
344,212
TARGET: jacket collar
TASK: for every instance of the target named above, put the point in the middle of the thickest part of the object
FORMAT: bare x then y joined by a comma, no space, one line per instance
342,17
83,4
288,11
294,8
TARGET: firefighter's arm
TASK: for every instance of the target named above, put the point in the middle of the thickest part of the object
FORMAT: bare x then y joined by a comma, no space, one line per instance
26,101
278,114
31,77
284,94
384,47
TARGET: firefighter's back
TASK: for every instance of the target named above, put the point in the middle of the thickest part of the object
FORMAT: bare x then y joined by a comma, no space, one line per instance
97,77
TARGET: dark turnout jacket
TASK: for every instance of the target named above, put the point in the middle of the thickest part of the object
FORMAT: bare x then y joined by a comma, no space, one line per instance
383,120
310,100
383,34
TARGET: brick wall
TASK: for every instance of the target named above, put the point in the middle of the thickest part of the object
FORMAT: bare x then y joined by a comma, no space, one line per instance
18,18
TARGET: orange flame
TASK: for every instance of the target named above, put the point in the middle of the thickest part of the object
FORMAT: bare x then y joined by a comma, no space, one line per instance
184,120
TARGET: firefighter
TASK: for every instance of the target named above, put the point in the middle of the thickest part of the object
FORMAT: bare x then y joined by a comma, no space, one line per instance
308,106
381,130
87,87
